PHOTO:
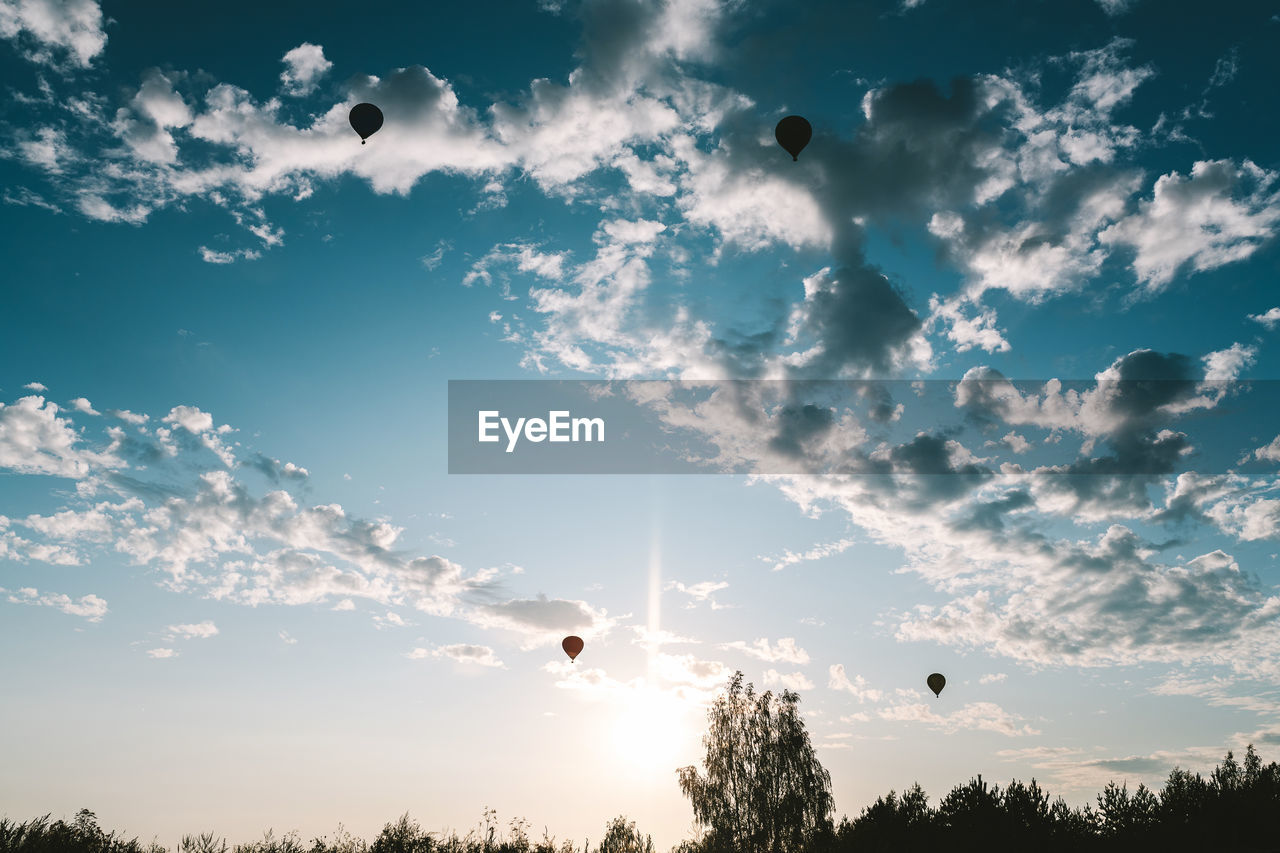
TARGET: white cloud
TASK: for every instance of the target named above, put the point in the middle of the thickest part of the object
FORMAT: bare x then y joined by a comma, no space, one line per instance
1221,213
162,654
199,630
189,418
53,29
784,651
793,681
993,678
838,679
703,592
817,552
213,256
304,66
35,439
80,404
1270,318
977,716
89,607
1269,452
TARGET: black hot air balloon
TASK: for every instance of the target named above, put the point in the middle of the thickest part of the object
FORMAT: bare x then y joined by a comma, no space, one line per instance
365,120
793,134
572,647
936,682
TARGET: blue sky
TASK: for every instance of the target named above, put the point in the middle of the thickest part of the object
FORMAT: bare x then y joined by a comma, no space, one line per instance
240,589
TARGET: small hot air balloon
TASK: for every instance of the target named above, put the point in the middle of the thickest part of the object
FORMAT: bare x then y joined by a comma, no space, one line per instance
936,682
365,120
572,647
793,134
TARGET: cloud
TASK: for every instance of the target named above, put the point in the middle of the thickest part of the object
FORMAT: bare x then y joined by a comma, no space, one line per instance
977,716
275,470
1269,452
784,651
212,256
80,404
461,653
189,418
1270,318
162,654
993,678
818,552
1114,8
176,502
700,592
1220,214
199,630
52,31
543,620
304,66
34,439
838,679
89,607
793,681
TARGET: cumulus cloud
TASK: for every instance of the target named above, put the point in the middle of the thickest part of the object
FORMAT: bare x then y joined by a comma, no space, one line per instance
1269,318
1221,213
55,31
838,679
172,497
89,607
35,440
303,68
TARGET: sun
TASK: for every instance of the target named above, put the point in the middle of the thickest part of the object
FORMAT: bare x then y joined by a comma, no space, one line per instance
653,732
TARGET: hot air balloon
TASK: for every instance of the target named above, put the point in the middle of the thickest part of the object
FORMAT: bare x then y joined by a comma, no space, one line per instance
365,120
793,134
936,682
572,647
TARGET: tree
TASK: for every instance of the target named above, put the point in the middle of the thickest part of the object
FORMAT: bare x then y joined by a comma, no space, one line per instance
764,788
621,836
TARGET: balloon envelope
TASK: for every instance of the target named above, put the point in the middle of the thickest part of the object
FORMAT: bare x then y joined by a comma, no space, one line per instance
936,682
572,647
365,120
793,134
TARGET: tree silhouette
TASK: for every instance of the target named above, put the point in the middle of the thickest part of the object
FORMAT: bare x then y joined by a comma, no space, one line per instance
764,788
621,836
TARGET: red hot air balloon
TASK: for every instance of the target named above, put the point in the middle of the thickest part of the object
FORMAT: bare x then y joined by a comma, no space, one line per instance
572,647
365,120
793,134
936,682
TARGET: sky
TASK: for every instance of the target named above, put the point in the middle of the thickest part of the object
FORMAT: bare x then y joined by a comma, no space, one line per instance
239,588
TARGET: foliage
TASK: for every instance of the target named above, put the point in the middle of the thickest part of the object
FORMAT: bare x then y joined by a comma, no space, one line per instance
764,788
